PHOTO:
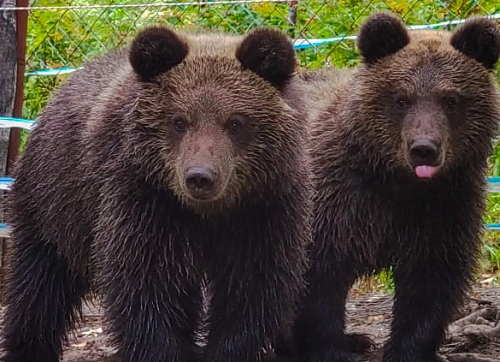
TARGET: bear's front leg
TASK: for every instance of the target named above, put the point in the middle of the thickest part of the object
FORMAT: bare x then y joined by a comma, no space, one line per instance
319,332
151,293
428,294
43,299
256,274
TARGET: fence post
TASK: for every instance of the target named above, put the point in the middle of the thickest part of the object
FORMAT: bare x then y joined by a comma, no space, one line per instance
291,18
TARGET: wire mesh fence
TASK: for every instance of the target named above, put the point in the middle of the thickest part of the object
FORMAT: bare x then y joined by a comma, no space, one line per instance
64,34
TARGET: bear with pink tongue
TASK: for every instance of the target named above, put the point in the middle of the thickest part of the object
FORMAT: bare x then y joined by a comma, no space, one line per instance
425,171
399,156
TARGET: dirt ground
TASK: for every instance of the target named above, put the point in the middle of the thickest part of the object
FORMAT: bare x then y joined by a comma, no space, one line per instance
473,337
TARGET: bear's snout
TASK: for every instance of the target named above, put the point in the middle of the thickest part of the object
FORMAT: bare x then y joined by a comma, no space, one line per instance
200,181
425,157
424,152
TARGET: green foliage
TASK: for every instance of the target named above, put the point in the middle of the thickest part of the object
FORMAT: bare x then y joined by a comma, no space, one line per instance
493,256
386,279
68,38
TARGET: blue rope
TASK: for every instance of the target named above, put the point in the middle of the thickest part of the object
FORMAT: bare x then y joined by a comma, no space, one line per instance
6,181
11,122
54,71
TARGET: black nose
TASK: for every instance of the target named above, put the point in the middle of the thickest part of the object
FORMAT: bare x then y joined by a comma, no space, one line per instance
199,179
424,152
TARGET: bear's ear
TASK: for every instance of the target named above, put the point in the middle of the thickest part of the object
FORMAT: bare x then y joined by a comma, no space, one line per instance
156,50
479,39
269,53
380,35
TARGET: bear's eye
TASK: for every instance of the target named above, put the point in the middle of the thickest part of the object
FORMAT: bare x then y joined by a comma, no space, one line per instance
402,103
451,103
235,125
180,124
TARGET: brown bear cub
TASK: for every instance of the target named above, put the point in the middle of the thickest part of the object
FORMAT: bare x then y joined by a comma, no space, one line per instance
175,163
399,154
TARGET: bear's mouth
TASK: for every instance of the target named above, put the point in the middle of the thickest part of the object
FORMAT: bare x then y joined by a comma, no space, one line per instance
426,172
203,197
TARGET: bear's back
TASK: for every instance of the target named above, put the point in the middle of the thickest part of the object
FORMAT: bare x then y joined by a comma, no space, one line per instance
323,88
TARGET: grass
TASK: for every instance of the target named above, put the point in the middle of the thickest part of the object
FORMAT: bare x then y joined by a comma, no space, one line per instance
70,37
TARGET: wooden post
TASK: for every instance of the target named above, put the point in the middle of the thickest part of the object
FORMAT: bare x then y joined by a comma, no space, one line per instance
292,17
21,35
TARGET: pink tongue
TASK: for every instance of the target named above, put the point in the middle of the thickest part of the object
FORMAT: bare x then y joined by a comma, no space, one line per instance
425,171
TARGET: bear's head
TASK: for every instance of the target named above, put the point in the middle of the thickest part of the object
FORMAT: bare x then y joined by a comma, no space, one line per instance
210,120
427,99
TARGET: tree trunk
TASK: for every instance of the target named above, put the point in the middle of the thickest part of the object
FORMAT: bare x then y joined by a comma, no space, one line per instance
8,69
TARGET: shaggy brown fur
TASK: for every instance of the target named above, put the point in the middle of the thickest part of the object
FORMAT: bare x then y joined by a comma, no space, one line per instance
171,163
399,153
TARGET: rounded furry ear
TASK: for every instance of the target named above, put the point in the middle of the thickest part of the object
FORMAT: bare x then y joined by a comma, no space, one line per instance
156,50
269,53
380,35
479,39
